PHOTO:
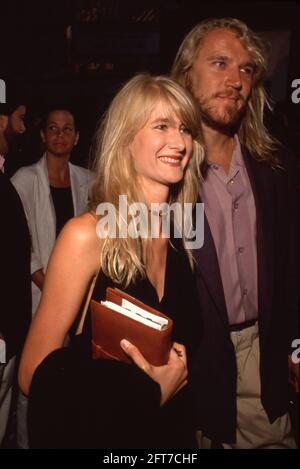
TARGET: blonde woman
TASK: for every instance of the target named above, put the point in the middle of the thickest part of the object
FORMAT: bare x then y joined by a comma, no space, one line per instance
147,150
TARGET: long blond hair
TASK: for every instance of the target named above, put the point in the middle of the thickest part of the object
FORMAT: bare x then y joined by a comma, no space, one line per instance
252,132
121,258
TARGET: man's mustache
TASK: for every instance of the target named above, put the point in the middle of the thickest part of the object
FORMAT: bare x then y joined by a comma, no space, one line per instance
229,94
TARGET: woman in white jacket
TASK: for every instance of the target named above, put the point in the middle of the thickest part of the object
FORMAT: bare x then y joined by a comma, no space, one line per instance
52,191
52,179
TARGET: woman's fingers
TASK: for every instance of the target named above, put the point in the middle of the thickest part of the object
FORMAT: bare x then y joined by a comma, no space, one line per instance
184,383
180,351
171,377
135,355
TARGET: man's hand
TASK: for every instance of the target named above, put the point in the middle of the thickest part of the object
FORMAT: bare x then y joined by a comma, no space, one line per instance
294,374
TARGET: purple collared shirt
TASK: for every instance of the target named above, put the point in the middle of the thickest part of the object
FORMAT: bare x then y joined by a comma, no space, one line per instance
230,210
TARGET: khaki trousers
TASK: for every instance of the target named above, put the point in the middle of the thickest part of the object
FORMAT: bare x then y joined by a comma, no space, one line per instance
6,384
254,431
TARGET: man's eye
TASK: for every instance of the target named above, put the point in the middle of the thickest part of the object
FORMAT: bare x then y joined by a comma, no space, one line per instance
220,63
68,130
185,130
247,70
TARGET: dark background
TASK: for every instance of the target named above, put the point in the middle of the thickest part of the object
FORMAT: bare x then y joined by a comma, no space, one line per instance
80,52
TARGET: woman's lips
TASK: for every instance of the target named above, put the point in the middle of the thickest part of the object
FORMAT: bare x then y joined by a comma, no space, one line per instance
170,160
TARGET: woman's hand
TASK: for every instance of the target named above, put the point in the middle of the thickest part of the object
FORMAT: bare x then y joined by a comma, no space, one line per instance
171,377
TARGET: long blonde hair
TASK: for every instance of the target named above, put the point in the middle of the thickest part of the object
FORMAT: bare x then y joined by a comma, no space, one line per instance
121,258
252,132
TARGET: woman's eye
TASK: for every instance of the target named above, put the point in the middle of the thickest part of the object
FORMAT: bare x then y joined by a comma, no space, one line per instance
52,128
161,126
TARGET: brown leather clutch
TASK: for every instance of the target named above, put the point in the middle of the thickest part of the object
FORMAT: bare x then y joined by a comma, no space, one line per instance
110,327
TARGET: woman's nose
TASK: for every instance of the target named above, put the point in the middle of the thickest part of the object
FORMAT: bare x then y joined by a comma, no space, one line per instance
177,140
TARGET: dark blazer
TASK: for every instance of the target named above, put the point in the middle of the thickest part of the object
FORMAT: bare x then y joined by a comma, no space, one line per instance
15,283
213,375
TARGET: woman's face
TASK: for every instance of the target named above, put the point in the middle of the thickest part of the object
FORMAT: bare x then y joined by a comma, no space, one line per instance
60,135
161,150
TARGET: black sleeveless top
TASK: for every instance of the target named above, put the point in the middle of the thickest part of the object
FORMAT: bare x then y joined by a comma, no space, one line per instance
179,301
150,425
63,206
111,404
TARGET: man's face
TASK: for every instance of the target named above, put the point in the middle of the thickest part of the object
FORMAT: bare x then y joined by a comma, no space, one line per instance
3,141
16,122
221,79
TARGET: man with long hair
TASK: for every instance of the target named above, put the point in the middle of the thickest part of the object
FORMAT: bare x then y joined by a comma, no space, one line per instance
247,268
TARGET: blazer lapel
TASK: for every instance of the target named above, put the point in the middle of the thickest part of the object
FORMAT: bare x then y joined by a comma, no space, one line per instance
208,269
45,204
264,195
79,187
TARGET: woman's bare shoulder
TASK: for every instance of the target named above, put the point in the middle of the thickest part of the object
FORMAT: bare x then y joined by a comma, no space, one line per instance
82,228
79,235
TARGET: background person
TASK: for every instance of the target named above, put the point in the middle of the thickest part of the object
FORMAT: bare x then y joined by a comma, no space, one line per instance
11,124
52,191
15,298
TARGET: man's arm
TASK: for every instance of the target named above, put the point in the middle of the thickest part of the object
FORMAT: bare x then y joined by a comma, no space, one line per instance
294,373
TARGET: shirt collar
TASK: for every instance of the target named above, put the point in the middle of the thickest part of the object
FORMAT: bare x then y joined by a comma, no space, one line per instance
2,161
237,156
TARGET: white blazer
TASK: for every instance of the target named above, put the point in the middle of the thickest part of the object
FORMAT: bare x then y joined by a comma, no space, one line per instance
32,184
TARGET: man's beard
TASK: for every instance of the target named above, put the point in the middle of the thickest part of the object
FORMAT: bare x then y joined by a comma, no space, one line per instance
3,145
225,119
9,132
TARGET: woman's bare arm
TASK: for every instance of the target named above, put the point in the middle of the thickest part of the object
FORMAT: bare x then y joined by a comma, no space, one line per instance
73,263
